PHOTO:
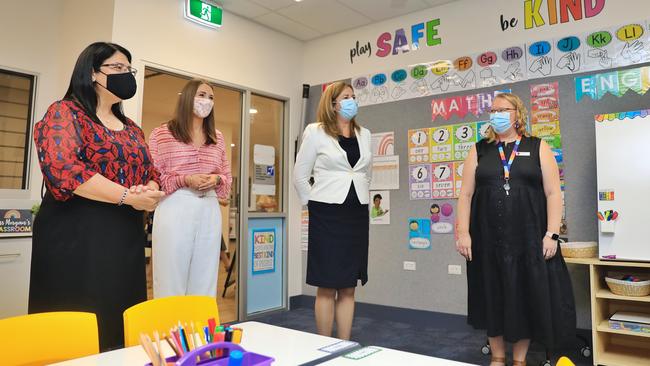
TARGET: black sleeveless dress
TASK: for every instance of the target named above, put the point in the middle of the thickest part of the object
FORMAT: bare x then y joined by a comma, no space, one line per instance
512,290
337,255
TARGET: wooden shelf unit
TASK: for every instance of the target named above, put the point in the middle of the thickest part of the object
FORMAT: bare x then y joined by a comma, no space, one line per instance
615,347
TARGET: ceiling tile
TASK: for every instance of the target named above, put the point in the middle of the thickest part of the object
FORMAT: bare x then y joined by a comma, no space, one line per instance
244,8
384,9
288,26
274,4
326,17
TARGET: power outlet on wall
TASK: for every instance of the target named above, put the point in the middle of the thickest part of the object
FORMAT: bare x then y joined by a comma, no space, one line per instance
409,266
453,269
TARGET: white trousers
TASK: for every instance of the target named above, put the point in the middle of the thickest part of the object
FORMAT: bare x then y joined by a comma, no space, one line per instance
186,244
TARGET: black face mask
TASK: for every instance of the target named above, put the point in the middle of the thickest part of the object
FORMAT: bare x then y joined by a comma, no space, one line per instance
122,85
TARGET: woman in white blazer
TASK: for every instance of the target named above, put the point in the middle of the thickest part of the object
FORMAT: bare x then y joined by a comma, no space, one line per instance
336,152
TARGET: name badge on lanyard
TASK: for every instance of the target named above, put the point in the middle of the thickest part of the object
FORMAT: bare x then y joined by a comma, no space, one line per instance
508,164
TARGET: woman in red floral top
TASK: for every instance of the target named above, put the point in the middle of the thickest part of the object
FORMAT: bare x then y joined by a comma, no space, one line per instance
88,243
190,155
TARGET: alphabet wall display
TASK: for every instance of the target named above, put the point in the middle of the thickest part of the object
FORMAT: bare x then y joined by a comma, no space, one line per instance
600,49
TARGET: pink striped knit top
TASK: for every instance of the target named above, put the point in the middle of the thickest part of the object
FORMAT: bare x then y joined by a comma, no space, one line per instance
175,159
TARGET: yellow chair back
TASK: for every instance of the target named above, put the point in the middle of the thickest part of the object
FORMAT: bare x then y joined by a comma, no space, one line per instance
564,361
163,313
44,338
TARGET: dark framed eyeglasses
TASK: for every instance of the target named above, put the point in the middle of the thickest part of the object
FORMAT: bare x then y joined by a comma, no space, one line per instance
120,67
499,110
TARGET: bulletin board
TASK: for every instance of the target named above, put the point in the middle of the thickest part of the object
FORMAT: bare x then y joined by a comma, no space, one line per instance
389,244
564,82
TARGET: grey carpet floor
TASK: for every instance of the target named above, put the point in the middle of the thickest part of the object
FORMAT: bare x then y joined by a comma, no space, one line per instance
450,338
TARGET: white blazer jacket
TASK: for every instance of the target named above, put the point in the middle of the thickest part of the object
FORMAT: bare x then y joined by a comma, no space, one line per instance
321,155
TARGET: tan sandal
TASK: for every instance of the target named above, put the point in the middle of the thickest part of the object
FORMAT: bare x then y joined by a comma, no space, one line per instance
498,360
518,363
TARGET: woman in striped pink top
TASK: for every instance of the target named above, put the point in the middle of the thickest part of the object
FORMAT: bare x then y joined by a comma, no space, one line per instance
190,155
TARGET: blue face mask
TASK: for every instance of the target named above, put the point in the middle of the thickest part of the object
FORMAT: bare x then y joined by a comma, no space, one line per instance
348,109
500,121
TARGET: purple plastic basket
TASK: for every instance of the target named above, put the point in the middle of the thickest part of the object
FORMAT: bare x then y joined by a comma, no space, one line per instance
249,359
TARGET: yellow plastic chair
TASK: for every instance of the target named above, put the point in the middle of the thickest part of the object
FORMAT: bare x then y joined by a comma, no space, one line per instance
163,313
44,338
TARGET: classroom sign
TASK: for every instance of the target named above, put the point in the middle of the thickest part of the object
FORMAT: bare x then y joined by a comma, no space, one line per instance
600,49
15,221
616,83
263,251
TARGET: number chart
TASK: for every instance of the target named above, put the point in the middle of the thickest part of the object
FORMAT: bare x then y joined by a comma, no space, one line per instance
441,144
420,182
445,148
464,138
419,146
442,180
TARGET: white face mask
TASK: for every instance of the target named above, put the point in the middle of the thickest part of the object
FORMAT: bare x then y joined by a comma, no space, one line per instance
203,107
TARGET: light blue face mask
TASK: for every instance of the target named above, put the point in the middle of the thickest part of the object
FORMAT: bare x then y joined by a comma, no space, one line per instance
500,121
348,109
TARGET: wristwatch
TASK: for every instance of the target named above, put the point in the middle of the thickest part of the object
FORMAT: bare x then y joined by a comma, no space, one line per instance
553,236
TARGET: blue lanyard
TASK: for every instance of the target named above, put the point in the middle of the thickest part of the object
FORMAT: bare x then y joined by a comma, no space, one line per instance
508,164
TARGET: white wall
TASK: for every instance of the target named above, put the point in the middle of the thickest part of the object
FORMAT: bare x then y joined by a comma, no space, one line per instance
241,52
46,41
82,23
467,26
40,57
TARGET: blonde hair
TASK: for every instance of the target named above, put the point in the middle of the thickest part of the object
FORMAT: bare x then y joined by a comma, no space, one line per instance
521,119
327,114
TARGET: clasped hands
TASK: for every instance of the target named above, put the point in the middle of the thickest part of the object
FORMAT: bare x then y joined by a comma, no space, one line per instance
144,197
202,182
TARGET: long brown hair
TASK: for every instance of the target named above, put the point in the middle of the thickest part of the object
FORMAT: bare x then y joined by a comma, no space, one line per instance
327,114
521,117
181,125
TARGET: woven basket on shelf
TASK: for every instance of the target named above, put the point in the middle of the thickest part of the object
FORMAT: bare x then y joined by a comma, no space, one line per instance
579,249
628,288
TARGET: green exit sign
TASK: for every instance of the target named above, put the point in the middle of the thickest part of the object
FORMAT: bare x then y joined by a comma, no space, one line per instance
203,12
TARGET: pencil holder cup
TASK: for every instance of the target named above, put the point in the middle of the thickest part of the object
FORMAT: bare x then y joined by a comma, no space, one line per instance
608,227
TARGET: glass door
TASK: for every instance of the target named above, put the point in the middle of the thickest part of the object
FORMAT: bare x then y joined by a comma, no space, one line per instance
265,262
161,90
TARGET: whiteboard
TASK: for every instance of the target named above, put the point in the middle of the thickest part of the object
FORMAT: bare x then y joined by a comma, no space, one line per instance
623,168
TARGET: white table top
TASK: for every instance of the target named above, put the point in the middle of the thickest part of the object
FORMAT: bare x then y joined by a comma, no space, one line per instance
287,346
391,357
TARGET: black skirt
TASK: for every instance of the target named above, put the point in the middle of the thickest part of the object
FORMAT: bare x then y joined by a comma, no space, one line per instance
337,256
88,256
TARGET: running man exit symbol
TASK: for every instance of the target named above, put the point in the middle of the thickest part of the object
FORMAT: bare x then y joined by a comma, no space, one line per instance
206,12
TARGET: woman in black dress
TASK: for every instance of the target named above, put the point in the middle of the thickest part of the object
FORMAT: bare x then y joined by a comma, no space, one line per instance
336,152
509,214
88,243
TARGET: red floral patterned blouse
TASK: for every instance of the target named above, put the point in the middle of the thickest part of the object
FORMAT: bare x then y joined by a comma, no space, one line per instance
72,148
